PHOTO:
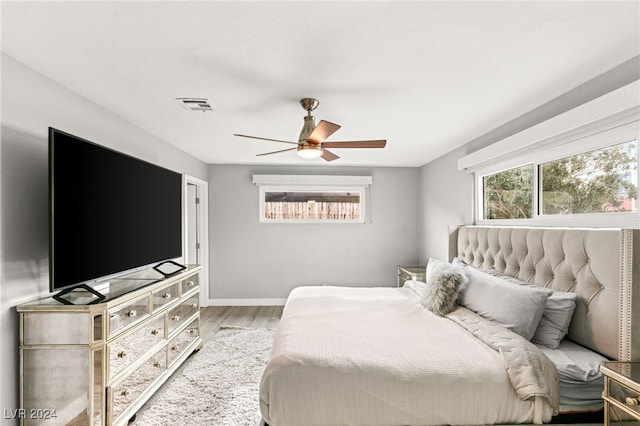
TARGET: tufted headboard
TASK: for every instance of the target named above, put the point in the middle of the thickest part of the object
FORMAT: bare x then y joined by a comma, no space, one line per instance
597,264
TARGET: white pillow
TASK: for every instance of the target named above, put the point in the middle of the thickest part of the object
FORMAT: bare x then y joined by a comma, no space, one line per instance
432,264
518,308
457,262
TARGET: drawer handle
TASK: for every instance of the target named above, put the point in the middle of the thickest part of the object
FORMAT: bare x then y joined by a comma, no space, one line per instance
632,401
176,318
175,348
191,283
125,392
194,305
132,314
154,332
122,354
157,364
166,296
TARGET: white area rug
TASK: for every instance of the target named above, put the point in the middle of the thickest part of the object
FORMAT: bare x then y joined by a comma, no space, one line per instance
217,386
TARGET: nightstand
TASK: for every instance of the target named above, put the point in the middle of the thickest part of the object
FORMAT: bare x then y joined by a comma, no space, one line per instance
416,272
621,391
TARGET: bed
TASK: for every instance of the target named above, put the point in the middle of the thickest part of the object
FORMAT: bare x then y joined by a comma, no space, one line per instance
376,356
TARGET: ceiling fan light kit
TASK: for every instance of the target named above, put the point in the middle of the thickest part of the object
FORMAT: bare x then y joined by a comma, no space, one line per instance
310,151
311,142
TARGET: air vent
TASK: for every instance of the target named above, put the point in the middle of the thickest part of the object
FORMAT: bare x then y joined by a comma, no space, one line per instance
196,104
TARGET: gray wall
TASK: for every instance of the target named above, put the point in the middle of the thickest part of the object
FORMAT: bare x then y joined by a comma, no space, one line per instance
446,202
30,104
443,205
252,260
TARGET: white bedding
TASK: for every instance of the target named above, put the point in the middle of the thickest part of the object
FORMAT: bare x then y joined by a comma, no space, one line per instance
375,356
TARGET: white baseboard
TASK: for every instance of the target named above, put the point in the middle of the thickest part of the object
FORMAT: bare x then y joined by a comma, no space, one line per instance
247,302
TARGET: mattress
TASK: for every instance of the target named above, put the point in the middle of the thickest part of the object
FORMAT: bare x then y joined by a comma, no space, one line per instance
376,356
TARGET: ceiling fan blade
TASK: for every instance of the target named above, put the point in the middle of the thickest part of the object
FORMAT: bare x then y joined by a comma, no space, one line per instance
323,130
276,152
380,143
328,155
264,139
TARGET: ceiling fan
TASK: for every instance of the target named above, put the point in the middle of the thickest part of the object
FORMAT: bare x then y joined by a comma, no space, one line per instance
311,143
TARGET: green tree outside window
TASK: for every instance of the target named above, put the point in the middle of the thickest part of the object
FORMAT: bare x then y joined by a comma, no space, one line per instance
599,181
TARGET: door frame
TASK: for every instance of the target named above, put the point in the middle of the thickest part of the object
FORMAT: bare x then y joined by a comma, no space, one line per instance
203,231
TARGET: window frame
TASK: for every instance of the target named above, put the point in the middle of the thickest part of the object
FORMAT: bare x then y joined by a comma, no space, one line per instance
305,188
321,183
592,138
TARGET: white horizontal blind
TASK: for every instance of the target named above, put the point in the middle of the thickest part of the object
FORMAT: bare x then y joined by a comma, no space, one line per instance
312,180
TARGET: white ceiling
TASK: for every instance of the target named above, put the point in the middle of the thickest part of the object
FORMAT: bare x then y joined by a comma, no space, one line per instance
427,76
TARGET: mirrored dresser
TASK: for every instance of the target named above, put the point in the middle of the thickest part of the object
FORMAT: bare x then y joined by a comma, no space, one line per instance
96,362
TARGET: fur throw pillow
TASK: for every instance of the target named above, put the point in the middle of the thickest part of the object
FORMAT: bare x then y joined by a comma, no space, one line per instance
444,287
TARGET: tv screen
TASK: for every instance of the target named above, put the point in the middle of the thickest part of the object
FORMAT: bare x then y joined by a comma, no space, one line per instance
108,212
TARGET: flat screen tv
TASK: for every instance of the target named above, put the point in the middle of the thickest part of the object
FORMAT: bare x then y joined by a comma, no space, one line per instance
109,213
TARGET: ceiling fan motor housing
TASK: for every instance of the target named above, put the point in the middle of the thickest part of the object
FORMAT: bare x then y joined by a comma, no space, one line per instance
307,128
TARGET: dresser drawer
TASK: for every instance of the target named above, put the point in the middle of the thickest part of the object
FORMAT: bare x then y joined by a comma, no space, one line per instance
128,314
125,393
165,296
190,283
621,395
180,343
76,328
183,312
131,347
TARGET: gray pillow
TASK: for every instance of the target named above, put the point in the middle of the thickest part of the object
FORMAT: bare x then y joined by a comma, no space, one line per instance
443,287
556,319
518,308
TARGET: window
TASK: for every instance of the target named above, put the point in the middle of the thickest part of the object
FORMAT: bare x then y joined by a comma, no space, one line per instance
508,194
312,198
599,181
312,205
590,184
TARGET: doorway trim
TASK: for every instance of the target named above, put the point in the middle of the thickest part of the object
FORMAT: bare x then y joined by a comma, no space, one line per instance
202,230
